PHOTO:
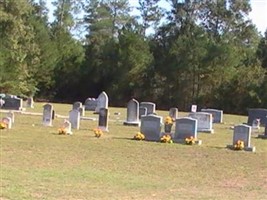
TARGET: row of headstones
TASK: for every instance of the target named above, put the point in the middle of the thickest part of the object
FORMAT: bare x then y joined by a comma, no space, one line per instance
95,105
74,117
186,127
206,117
15,103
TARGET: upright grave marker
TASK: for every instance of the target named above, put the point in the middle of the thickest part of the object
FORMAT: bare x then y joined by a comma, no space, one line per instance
132,113
74,118
102,102
151,107
217,115
185,127
242,133
47,115
204,121
173,113
151,127
103,119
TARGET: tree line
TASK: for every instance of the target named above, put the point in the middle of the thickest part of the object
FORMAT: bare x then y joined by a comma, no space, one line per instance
205,52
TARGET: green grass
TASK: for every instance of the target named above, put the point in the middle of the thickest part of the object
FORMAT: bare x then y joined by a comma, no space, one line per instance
36,163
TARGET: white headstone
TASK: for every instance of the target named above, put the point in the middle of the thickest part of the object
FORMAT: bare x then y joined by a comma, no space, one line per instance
12,116
8,121
194,108
67,126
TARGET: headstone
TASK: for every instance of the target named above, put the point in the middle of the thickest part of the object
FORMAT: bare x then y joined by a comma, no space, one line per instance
151,127
102,102
2,102
47,115
204,121
12,116
151,107
264,136
103,119
76,105
67,126
194,108
132,113
242,132
13,103
8,121
142,111
256,125
30,102
185,127
82,111
74,118
217,115
173,113
257,113
90,104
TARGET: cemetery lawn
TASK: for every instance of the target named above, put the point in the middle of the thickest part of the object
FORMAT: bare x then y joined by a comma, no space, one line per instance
37,163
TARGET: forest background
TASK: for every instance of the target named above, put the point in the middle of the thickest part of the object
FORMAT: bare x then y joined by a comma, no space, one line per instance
205,52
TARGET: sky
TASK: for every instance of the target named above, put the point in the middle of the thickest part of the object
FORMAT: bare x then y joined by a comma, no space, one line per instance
258,14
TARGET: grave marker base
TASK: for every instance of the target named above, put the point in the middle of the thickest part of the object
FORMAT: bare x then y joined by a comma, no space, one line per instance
252,149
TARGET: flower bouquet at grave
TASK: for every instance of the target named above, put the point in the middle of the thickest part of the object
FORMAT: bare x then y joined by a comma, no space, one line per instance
166,139
62,131
168,121
3,125
139,136
168,124
98,132
239,145
190,140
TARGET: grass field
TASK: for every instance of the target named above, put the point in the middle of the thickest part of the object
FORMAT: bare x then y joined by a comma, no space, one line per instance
37,163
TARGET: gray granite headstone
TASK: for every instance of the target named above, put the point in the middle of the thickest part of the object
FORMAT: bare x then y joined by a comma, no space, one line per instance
257,113
102,102
90,104
217,115
204,121
76,105
142,111
13,103
132,113
151,127
242,132
30,102
47,115
103,119
173,113
151,107
185,127
74,118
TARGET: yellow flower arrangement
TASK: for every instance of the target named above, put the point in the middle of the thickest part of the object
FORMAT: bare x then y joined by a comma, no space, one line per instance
239,145
139,136
168,120
190,141
3,125
98,132
62,131
166,139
